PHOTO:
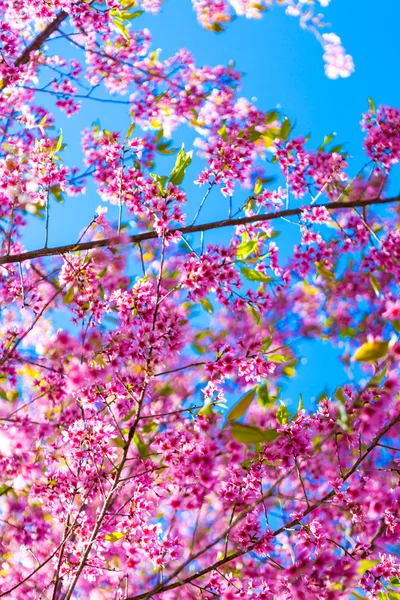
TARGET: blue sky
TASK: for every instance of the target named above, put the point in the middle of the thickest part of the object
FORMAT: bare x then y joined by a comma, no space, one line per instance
283,66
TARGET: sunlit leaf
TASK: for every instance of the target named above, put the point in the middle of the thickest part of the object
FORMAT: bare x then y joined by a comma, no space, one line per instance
239,409
282,414
253,275
183,160
371,105
114,537
285,129
251,434
366,564
371,351
206,304
245,249
69,296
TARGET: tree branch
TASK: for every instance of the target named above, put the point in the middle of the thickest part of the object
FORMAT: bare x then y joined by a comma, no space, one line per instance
166,586
37,43
151,235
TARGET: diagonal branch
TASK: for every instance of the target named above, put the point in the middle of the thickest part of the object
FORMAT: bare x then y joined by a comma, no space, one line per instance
40,39
166,585
37,42
151,235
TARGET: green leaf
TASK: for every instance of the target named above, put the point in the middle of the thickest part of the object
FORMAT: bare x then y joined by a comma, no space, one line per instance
321,270
206,304
199,349
59,143
206,410
114,537
251,434
239,409
396,325
392,595
183,160
256,315
122,29
164,148
289,371
55,190
140,445
270,435
223,133
377,379
277,358
282,414
366,564
130,16
245,249
371,105
131,129
375,285
371,351
160,179
69,296
253,275
299,408
159,135
271,116
327,139
258,186
119,442
264,398
394,581
285,129
336,149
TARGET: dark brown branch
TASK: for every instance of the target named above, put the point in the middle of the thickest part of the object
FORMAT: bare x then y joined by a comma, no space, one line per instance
40,39
151,235
37,42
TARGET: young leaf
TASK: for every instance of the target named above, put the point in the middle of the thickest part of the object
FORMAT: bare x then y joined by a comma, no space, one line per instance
206,304
371,351
258,186
252,275
240,407
285,129
69,296
264,397
245,249
140,445
183,160
59,142
131,129
55,190
251,434
114,536
375,285
371,106
366,564
164,148
321,270
282,414
277,358
122,29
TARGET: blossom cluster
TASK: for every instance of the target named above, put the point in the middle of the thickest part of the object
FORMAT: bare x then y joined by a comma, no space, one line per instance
148,447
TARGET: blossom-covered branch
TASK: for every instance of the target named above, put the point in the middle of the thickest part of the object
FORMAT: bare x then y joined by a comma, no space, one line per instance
151,235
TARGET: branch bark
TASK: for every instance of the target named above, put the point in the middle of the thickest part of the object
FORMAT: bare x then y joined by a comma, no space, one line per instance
166,586
151,235
37,43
